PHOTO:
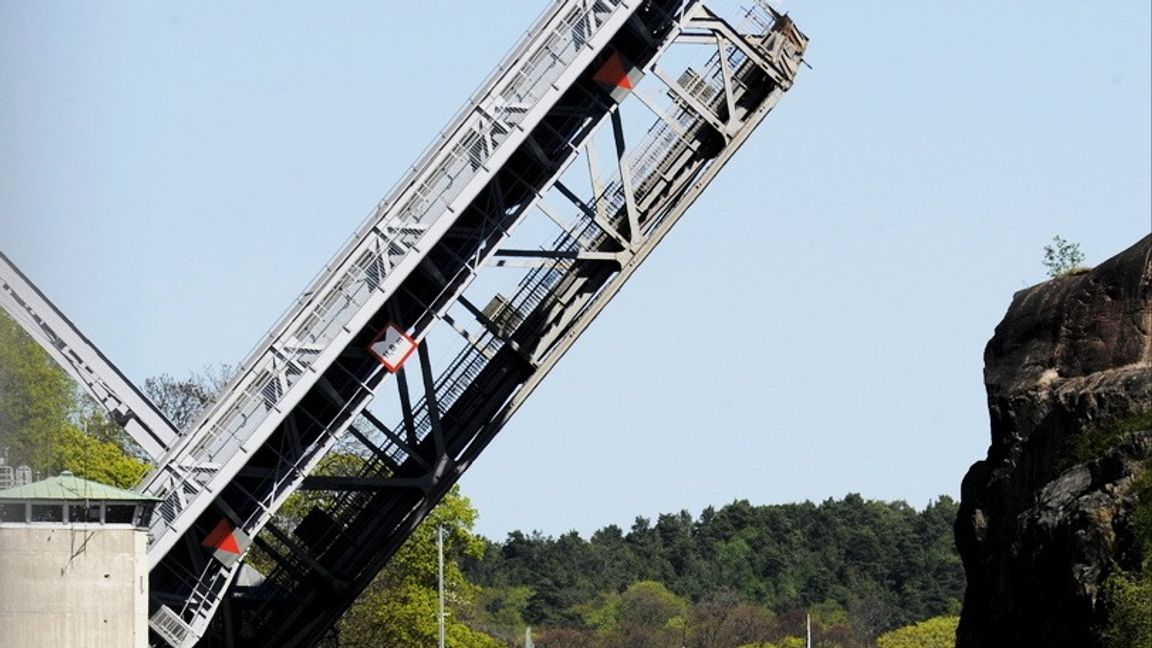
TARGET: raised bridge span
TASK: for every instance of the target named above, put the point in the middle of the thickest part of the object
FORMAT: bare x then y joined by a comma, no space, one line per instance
440,316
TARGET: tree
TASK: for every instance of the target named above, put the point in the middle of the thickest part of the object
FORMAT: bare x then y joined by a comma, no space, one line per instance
650,617
860,567
500,612
650,604
1127,593
1062,257
399,608
36,397
722,619
602,612
91,458
566,638
182,400
1129,620
938,632
46,423
786,642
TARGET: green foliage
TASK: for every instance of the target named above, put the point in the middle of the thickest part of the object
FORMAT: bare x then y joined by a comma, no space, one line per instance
860,567
722,619
830,613
1129,601
91,458
938,632
649,616
46,424
181,400
601,613
298,504
404,615
1142,516
36,397
1092,444
786,642
399,607
500,612
649,604
1062,257
1128,595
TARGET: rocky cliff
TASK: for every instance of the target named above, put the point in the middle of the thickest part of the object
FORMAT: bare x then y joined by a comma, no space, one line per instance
1048,515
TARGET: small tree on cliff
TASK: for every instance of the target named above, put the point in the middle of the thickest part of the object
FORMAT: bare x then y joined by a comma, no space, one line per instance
1062,257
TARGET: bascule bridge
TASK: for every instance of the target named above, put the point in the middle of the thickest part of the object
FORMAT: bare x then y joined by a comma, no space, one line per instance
428,330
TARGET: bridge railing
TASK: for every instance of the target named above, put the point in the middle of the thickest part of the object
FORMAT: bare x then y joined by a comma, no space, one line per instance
385,248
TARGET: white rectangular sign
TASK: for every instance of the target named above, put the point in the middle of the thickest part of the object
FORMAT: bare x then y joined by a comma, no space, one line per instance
392,347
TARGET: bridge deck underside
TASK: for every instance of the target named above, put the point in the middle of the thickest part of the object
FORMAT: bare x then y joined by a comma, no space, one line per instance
369,507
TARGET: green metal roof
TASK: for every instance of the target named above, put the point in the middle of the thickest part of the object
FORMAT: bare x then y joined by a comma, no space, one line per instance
67,486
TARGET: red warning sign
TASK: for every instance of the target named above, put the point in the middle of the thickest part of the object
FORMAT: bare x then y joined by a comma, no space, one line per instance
226,542
392,346
222,539
618,76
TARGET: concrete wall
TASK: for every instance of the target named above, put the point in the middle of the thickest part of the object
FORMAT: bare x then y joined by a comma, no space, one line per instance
82,586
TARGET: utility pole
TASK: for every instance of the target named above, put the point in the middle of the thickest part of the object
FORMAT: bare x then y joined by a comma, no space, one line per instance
440,579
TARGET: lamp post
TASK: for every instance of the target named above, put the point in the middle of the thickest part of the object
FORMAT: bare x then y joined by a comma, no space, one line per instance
440,580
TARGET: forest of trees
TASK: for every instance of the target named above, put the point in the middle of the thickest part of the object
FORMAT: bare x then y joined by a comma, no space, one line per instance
741,576
859,567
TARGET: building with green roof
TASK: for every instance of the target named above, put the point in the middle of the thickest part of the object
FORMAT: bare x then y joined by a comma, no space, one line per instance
67,498
74,564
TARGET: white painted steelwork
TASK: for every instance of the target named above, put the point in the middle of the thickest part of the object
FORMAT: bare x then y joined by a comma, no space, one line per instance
40,318
669,88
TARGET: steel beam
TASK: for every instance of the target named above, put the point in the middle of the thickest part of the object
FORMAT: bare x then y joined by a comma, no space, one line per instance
80,358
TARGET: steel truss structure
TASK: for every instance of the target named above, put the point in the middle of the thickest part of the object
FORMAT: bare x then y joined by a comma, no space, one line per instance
486,262
68,347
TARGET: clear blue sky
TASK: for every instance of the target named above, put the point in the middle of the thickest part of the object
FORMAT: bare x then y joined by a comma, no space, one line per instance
173,174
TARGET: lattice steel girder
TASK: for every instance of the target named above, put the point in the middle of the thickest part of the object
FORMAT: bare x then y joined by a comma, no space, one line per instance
56,334
393,243
280,423
447,417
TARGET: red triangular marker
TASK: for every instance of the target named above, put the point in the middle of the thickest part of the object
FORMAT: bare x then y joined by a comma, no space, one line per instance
221,538
613,73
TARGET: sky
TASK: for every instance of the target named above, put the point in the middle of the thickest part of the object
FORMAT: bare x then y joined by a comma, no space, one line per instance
173,175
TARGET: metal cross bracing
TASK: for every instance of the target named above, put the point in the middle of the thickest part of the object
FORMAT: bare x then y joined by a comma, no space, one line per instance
476,200
499,191
518,275
568,89
81,360
285,406
379,257
607,226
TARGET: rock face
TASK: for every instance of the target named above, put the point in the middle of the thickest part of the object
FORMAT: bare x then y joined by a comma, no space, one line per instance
1046,517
